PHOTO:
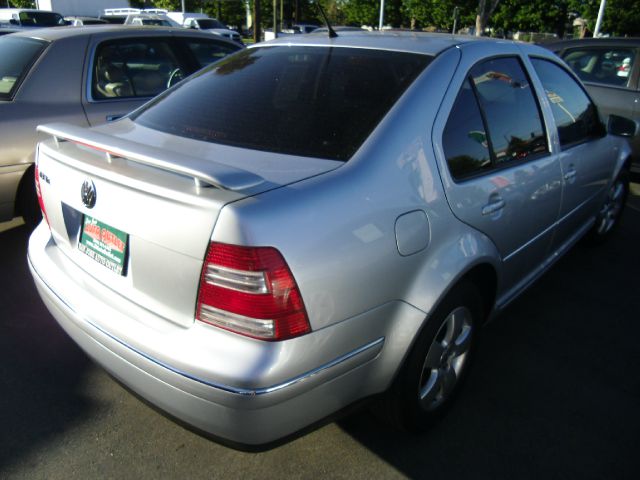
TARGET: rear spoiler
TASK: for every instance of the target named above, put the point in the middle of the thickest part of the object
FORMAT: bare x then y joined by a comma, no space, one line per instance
205,172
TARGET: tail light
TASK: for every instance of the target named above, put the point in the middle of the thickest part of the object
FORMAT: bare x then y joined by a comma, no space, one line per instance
39,193
251,291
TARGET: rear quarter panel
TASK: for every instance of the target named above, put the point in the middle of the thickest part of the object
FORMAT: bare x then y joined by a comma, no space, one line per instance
337,230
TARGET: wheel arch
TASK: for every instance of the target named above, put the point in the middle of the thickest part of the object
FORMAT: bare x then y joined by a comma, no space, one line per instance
481,275
23,189
485,278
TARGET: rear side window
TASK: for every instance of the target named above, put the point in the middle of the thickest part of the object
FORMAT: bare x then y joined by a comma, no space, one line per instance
495,120
310,101
575,115
134,68
17,54
608,65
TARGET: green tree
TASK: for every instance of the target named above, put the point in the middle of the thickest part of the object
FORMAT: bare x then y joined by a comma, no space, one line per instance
20,3
439,14
621,17
485,10
361,12
542,16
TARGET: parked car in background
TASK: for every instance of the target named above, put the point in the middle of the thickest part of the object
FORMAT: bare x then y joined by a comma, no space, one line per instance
610,69
304,27
83,21
214,26
119,15
7,30
84,76
338,28
30,18
314,220
150,19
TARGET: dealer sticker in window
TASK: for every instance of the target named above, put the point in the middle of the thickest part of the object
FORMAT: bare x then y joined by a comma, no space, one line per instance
103,243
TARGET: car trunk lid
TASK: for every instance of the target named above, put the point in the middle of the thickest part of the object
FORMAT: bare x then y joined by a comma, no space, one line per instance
138,217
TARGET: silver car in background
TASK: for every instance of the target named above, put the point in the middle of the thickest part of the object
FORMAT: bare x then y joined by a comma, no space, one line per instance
610,71
313,221
85,76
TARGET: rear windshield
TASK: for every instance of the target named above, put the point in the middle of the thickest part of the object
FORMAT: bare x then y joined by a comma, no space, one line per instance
41,19
209,23
17,55
310,101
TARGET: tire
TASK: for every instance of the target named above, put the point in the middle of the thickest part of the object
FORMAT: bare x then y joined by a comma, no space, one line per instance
609,214
438,363
27,202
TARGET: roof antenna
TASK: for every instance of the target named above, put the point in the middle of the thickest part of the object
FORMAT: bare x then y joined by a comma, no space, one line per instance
332,32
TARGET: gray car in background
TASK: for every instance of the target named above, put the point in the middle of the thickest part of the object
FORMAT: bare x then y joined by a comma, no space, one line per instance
314,220
610,70
84,76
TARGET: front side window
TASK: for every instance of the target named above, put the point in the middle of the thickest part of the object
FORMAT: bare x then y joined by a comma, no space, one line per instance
576,117
299,100
17,54
134,68
208,51
611,66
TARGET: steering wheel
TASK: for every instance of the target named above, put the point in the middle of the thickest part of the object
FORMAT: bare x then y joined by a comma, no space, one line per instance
175,76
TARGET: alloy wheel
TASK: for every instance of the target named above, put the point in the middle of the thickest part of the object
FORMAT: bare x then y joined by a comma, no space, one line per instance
445,359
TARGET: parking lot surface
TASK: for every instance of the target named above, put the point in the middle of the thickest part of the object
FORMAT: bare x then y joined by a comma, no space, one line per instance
554,393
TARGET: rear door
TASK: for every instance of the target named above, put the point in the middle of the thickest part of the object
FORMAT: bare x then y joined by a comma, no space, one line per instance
500,174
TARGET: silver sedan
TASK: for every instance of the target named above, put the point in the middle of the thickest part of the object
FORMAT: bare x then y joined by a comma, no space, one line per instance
85,76
314,221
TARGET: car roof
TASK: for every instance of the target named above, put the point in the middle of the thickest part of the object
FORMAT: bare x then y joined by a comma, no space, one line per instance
407,41
52,34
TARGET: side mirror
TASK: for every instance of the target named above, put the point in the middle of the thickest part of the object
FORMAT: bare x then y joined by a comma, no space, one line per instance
622,126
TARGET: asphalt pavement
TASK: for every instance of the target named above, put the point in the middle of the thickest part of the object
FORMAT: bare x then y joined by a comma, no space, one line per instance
554,393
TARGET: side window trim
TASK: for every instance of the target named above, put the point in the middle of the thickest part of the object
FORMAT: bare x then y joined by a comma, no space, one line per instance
485,123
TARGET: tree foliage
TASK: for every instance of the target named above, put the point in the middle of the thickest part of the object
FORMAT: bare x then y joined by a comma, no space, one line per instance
622,17
20,3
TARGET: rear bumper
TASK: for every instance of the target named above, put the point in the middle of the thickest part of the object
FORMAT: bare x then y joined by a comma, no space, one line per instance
281,388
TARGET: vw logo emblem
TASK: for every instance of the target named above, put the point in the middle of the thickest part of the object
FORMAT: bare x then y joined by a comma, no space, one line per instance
88,193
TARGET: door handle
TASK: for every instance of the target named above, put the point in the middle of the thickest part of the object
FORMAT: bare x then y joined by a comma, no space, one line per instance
111,118
493,206
570,176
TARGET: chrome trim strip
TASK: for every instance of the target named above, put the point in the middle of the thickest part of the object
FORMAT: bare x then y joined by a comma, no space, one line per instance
220,386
